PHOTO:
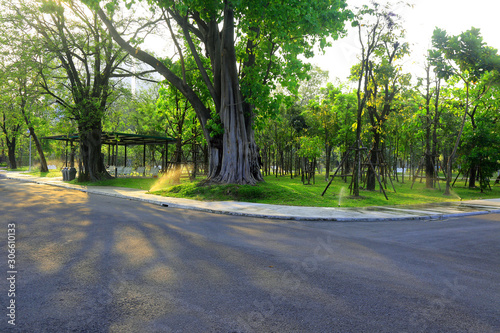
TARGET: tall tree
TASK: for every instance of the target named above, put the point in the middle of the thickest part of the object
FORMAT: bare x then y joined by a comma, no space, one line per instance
11,125
178,120
20,75
332,120
480,135
82,60
360,73
480,147
469,58
309,89
386,82
431,97
242,50
378,74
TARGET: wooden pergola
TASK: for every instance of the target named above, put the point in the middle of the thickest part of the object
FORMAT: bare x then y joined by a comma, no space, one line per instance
116,139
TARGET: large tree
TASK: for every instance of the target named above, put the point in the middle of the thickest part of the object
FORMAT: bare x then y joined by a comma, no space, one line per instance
242,49
20,77
467,57
80,60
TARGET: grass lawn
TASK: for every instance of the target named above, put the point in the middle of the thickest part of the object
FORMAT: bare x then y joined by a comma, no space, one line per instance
25,168
137,183
52,173
286,191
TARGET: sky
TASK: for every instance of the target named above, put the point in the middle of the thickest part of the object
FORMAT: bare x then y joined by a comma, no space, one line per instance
454,16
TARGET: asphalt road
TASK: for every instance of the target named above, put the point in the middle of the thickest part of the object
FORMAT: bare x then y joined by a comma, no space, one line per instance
91,263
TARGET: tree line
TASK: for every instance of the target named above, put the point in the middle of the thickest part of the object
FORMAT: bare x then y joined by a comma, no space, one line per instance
237,97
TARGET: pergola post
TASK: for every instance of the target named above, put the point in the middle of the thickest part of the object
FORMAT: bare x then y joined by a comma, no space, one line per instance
66,155
72,155
166,156
116,158
125,162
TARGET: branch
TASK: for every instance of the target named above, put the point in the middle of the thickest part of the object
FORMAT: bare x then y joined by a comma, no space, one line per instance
147,25
196,16
202,112
199,63
45,87
137,75
131,74
167,19
268,70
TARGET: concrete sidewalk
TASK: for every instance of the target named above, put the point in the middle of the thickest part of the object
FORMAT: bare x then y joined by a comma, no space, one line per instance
379,213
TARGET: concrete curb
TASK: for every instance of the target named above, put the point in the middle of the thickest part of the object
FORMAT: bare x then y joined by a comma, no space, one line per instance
167,202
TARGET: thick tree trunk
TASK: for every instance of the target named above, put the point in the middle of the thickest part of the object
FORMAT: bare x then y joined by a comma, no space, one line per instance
214,157
234,157
429,171
240,157
10,140
11,151
91,159
472,176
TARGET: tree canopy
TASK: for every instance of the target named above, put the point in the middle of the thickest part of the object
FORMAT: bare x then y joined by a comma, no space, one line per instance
465,56
242,51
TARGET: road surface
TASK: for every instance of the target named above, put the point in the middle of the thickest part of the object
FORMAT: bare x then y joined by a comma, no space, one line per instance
91,263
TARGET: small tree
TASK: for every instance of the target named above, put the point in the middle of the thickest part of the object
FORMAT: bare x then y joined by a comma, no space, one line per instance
431,121
331,119
27,100
11,125
379,34
480,147
178,120
310,150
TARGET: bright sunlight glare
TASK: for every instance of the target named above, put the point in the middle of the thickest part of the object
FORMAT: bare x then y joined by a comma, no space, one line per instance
454,16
